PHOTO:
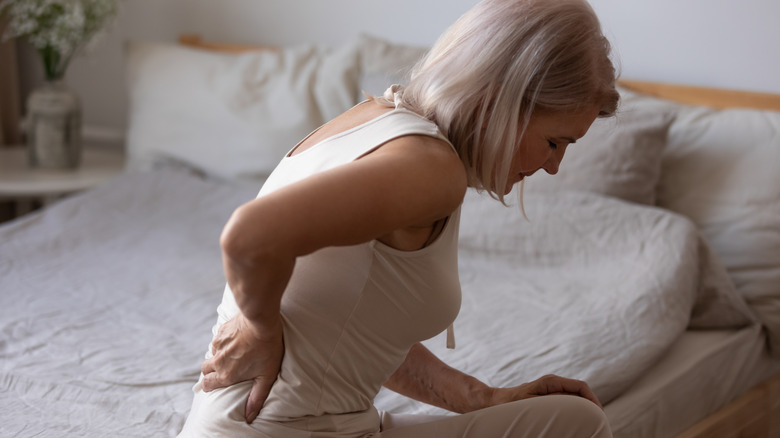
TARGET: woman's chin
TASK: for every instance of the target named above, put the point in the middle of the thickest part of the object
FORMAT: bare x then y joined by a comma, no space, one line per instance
511,185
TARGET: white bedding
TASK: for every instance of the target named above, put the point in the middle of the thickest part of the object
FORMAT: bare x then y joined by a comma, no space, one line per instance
107,303
108,299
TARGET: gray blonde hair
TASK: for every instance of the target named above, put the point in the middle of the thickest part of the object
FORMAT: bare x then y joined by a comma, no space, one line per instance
498,64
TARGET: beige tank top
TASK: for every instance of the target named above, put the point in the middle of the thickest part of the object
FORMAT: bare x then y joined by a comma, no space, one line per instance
352,313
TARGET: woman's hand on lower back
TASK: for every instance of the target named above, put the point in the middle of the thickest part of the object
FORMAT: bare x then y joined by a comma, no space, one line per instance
244,352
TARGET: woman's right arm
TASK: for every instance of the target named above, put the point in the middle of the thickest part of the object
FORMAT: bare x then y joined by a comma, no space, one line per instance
412,181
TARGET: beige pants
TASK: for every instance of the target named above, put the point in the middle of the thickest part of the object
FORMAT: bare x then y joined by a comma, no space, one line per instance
220,413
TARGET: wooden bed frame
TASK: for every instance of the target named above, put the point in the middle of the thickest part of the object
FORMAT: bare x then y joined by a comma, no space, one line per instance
711,97
755,414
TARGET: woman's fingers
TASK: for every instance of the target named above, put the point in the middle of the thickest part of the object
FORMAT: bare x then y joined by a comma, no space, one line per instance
552,384
260,389
207,366
210,382
585,391
211,379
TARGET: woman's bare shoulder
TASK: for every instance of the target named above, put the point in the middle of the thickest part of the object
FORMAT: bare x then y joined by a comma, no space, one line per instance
357,115
432,158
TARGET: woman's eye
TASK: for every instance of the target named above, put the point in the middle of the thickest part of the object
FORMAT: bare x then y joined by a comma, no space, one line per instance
552,145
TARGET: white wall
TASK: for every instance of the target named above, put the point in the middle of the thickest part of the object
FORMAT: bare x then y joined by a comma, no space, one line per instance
718,43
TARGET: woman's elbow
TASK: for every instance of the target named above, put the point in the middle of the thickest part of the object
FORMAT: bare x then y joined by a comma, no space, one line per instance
242,238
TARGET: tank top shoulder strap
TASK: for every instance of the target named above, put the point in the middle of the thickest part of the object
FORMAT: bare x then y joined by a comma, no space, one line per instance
350,145
399,122
390,126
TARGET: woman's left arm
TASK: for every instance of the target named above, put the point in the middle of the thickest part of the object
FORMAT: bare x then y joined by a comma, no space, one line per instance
425,378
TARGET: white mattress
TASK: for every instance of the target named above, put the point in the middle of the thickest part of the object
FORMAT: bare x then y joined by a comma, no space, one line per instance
107,300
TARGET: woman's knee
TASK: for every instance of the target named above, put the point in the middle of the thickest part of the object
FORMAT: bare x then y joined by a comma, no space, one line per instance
573,416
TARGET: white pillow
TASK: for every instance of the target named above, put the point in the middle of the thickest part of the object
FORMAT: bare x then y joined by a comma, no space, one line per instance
384,63
619,156
722,170
229,115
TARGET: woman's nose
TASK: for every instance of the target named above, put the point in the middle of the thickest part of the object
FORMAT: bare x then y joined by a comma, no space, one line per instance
553,161
551,165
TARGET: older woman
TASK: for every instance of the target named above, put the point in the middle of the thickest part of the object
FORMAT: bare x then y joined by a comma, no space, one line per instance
347,258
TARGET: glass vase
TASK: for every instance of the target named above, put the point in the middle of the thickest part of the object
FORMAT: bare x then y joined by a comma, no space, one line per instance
54,126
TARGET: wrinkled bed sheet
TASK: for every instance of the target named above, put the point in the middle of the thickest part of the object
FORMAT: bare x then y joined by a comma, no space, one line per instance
107,299
107,303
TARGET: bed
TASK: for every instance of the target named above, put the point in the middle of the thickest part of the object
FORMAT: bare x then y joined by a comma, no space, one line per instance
650,266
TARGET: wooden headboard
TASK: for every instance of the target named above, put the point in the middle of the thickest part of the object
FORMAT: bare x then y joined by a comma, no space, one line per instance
195,41
712,97
686,94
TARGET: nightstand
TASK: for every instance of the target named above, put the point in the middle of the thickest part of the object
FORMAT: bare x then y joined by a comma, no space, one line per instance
28,188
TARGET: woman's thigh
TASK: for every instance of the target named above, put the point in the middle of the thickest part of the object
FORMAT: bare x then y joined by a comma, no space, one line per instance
559,416
220,413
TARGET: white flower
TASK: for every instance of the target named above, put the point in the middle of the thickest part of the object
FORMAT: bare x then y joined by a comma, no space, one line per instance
58,29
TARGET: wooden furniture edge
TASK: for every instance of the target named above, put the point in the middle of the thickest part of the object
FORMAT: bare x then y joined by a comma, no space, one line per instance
703,96
195,41
754,414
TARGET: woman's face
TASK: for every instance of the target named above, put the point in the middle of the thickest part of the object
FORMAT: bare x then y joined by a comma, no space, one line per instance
546,138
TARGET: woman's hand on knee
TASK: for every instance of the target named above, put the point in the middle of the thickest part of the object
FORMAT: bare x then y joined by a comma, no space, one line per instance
242,352
546,385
